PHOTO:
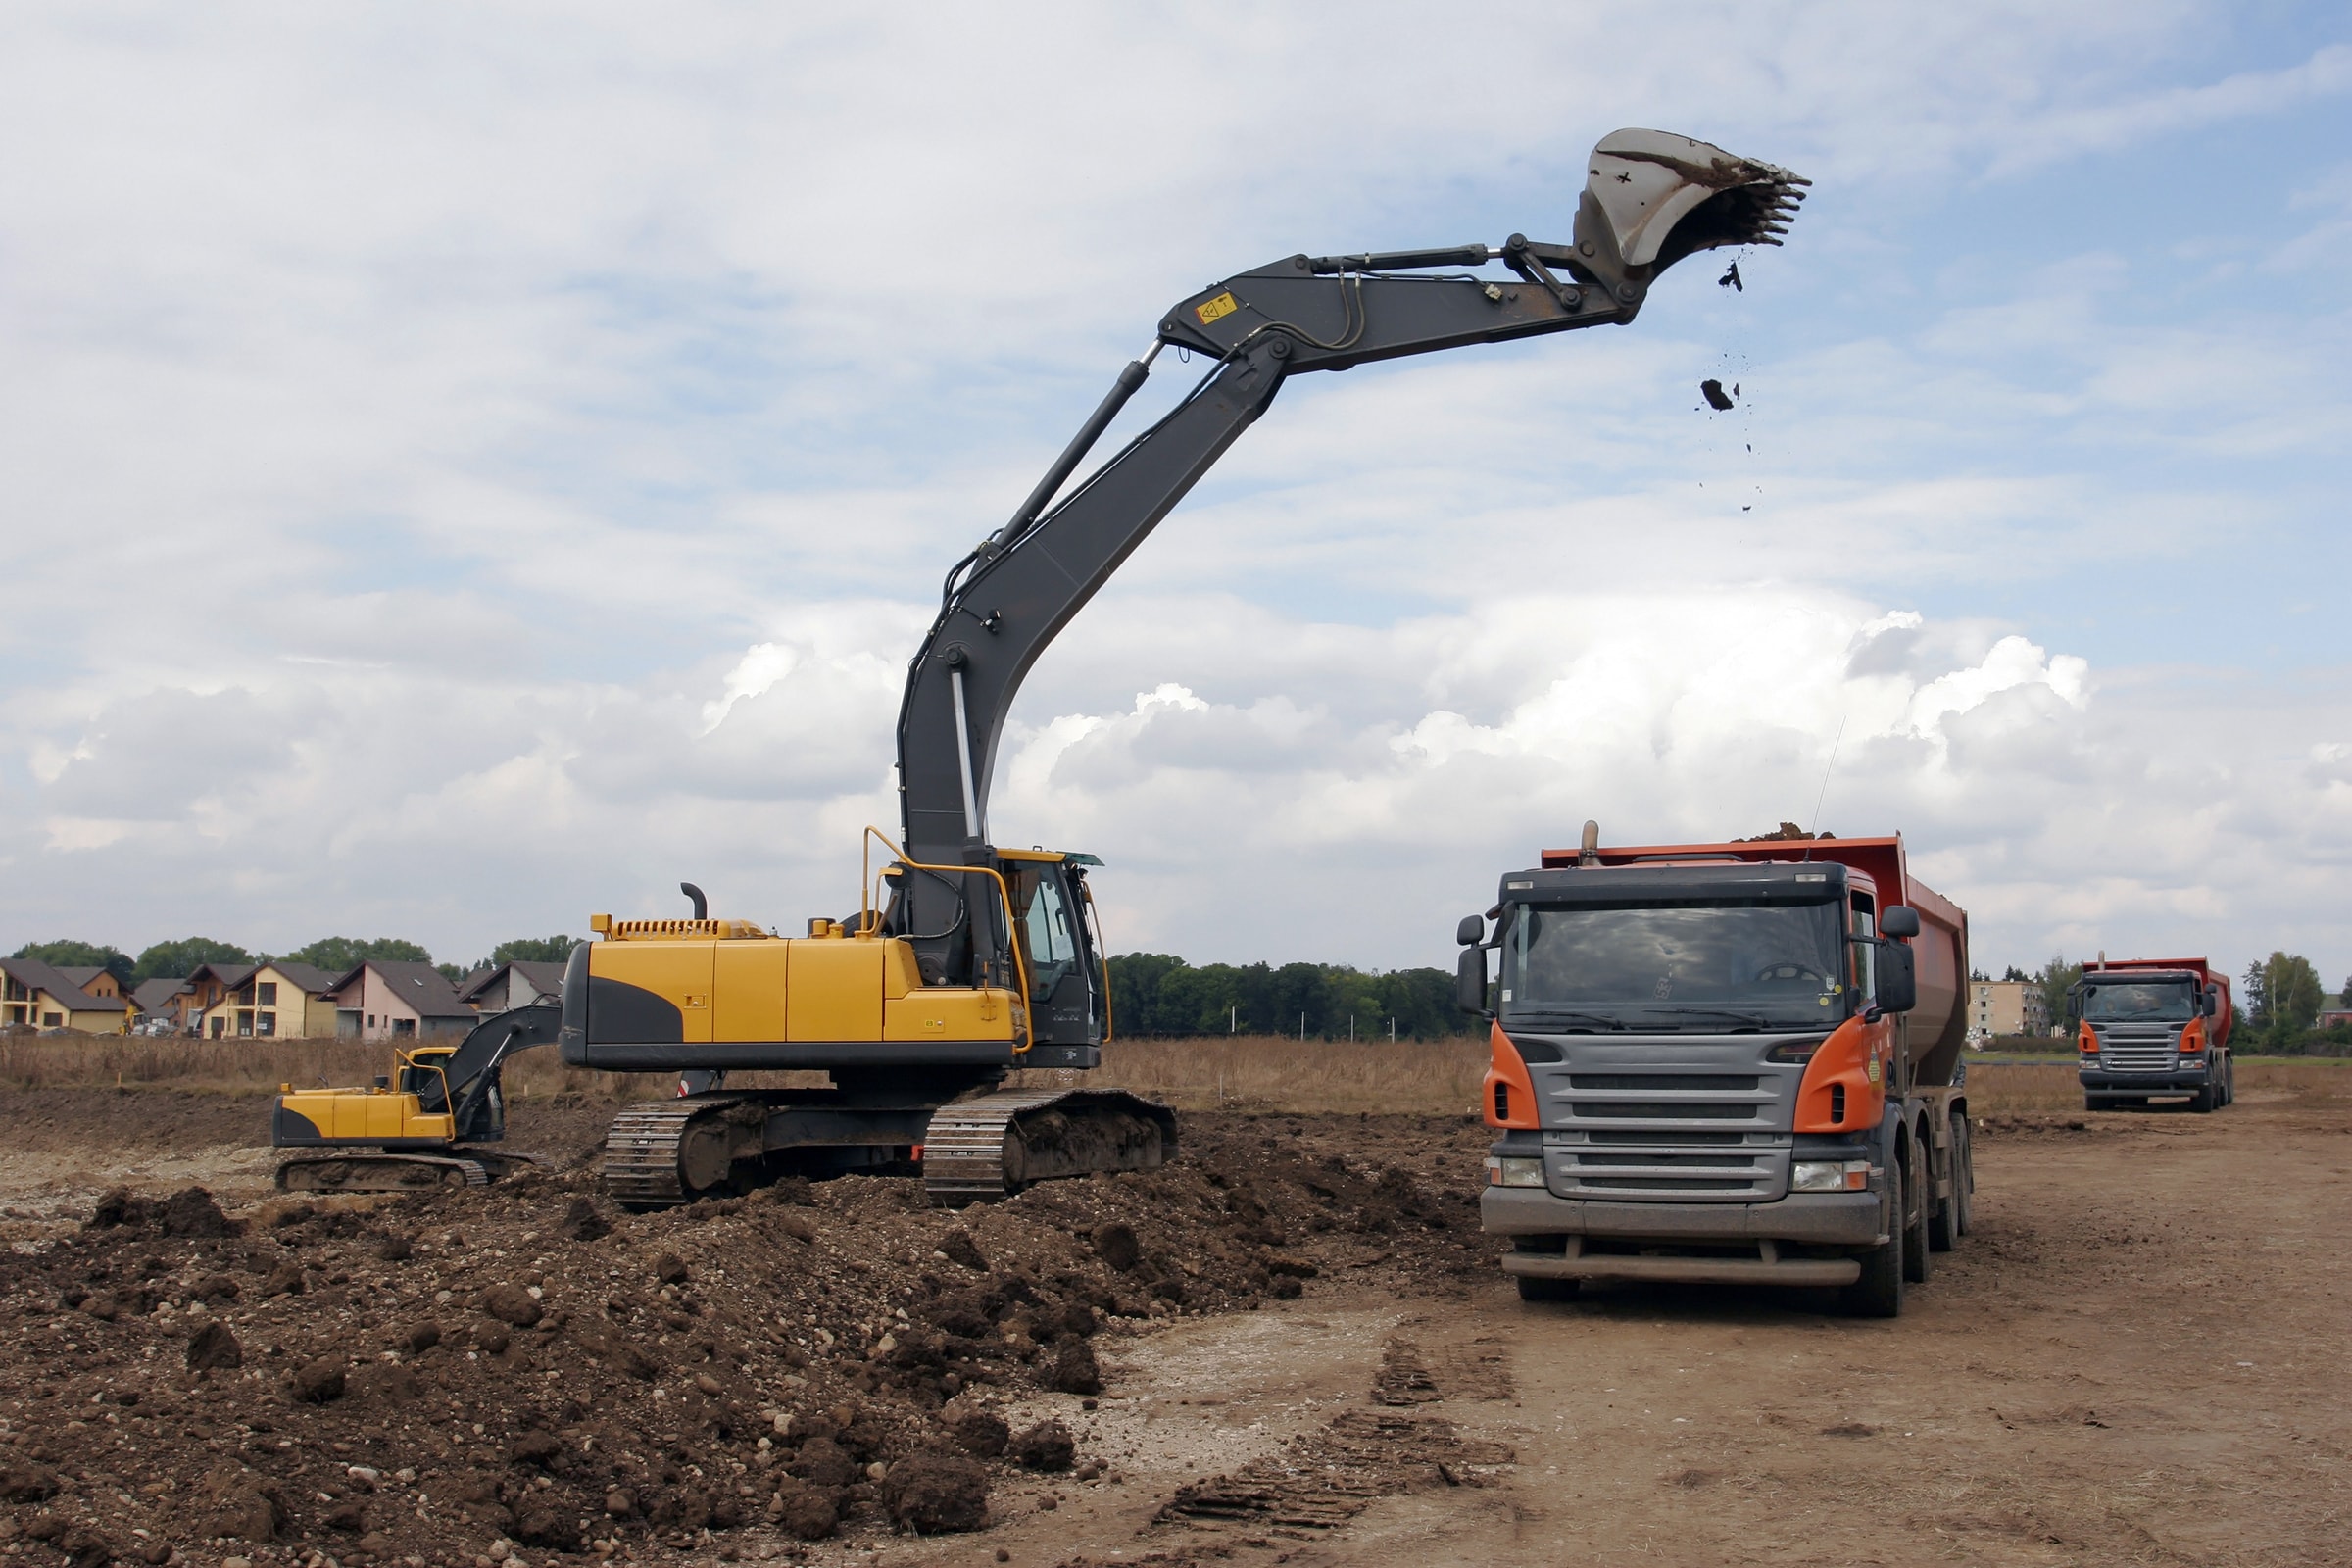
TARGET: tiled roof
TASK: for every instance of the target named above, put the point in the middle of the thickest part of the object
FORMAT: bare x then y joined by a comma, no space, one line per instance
39,976
421,986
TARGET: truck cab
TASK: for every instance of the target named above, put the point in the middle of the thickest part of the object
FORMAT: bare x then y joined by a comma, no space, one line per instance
1713,1063
2151,1029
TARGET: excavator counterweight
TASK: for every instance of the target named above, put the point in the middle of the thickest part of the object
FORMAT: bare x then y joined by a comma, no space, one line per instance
976,961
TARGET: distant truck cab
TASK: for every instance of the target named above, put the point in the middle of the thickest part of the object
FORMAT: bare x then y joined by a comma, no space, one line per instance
2152,1028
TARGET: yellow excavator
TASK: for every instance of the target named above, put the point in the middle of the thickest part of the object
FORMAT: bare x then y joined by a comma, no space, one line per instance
423,1124
966,960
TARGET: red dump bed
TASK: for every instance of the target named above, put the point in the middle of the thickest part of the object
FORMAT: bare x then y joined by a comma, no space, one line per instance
1937,1028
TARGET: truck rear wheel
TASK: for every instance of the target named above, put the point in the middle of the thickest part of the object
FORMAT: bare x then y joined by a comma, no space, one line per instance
1879,1293
1919,1205
1950,1222
1964,1183
1532,1289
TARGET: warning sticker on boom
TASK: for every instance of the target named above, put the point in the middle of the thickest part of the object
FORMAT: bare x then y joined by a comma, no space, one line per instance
1218,309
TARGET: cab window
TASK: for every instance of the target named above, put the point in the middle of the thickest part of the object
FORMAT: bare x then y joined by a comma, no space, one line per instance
1047,935
1864,966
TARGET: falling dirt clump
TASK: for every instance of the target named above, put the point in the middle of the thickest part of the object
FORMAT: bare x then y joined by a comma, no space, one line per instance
933,1493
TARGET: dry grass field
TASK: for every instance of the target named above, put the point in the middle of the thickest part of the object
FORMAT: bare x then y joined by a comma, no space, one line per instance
1246,1072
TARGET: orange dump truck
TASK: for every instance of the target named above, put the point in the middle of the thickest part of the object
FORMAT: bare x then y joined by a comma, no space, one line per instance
1730,1063
2151,1028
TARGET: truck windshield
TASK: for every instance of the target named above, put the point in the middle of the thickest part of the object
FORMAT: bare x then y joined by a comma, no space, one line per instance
2151,999
1709,969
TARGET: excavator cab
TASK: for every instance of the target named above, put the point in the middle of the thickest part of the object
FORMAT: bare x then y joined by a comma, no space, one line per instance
1053,923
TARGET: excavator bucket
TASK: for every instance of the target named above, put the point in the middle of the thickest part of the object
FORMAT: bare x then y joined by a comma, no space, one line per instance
1653,198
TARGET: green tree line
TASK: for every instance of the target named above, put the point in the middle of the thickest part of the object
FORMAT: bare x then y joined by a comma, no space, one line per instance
1161,994
177,959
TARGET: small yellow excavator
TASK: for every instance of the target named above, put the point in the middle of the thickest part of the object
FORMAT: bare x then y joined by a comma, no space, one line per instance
421,1125
976,959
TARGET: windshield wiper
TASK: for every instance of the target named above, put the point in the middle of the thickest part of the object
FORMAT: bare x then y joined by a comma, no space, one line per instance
1754,1019
1546,1015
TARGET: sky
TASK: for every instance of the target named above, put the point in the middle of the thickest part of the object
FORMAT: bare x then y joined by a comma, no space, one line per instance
464,468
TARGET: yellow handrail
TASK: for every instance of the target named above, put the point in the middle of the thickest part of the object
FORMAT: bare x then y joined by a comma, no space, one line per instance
449,1101
1096,911
1020,960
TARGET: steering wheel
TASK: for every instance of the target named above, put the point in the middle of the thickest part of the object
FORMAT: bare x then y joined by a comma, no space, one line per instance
1790,971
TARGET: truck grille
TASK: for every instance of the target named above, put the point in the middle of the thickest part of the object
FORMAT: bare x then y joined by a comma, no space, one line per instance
1674,1118
2140,1050
1585,1173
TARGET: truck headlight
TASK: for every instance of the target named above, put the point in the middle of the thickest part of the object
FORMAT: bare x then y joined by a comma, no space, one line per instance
1512,1170
1830,1176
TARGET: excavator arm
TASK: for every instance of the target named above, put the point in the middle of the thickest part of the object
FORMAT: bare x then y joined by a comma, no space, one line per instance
1650,198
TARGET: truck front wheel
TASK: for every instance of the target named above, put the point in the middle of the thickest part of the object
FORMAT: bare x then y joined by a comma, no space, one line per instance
2205,1100
1879,1293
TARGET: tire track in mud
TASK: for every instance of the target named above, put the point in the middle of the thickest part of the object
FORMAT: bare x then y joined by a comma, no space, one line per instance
1322,1480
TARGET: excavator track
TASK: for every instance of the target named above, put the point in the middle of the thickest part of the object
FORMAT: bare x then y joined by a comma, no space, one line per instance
672,1152
641,1155
379,1173
989,1146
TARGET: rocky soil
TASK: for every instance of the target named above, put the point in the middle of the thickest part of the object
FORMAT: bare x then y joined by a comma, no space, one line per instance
521,1372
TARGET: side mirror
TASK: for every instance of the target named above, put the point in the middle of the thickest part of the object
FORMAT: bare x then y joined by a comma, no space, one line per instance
1898,981
1472,930
2213,1002
1470,981
1899,920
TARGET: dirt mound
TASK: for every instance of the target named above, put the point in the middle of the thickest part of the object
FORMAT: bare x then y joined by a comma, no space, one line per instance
430,1375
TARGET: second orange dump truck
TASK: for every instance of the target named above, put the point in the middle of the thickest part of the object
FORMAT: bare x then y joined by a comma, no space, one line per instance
1732,1063
2152,1028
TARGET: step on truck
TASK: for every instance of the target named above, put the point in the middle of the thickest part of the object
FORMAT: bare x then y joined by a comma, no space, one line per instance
2151,1029
1724,1063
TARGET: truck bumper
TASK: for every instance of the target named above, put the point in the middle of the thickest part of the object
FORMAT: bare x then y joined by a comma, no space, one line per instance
2179,1080
1818,1219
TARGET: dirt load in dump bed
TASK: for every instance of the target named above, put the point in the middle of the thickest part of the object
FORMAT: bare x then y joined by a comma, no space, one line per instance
2138,1359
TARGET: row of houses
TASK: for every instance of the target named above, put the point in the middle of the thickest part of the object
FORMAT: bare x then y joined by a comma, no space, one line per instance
377,1000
